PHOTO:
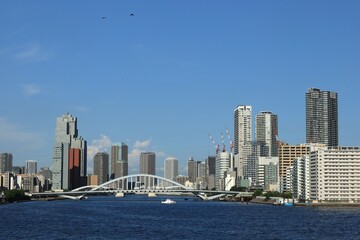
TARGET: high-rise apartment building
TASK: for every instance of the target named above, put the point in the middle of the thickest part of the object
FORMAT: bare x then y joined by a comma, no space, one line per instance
101,166
6,162
69,155
119,161
147,163
335,174
301,178
242,137
266,131
171,168
321,117
287,155
30,167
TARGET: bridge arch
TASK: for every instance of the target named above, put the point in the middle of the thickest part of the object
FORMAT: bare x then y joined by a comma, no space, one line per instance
148,179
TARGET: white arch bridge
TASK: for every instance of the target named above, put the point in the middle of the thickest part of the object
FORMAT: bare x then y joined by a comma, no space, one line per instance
137,182
141,184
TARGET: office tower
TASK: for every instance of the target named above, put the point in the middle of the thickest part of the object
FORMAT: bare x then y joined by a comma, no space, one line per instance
211,165
119,161
78,162
210,171
171,168
201,169
147,166
321,117
6,162
147,163
31,167
192,169
242,137
266,130
69,155
101,166
124,163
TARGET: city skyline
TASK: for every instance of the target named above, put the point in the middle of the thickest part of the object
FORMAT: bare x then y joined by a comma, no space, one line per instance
171,74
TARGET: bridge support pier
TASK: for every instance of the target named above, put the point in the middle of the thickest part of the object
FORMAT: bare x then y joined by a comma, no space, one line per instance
120,194
152,194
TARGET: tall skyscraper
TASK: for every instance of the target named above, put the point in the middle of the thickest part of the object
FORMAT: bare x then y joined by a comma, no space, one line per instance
242,137
211,165
266,130
119,161
321,117
6,162
147,163
192,170
69,155
101,166
147,166
171,168
31,167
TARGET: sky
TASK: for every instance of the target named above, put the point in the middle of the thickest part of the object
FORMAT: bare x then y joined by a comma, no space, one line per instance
165,78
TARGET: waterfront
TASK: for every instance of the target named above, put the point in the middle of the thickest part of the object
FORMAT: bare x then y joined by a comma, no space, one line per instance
138,217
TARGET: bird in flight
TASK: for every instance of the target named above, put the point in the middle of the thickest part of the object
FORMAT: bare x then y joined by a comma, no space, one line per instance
103,17
131,14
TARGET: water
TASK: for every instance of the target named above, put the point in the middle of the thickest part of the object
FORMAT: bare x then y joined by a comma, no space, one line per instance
138,217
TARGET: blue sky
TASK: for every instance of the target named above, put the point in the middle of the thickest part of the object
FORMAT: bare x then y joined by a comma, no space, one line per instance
167,77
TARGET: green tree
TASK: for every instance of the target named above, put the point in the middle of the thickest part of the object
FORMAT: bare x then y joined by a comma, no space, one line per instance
15,195
287,195
238,189
258,192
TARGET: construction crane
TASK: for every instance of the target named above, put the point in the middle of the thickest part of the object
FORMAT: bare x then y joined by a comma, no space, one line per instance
223,144
231,143
216,145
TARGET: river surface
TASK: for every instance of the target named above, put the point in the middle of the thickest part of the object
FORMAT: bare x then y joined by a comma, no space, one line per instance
139,217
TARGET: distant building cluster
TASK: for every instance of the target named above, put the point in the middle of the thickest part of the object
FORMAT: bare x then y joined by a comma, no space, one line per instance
318,170
25,177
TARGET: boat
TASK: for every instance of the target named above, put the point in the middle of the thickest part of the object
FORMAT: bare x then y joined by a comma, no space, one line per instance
288,204
168,201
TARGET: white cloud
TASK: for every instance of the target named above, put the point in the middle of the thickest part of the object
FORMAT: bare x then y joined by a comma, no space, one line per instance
32,53
103,144
134,155
14,138
31,89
